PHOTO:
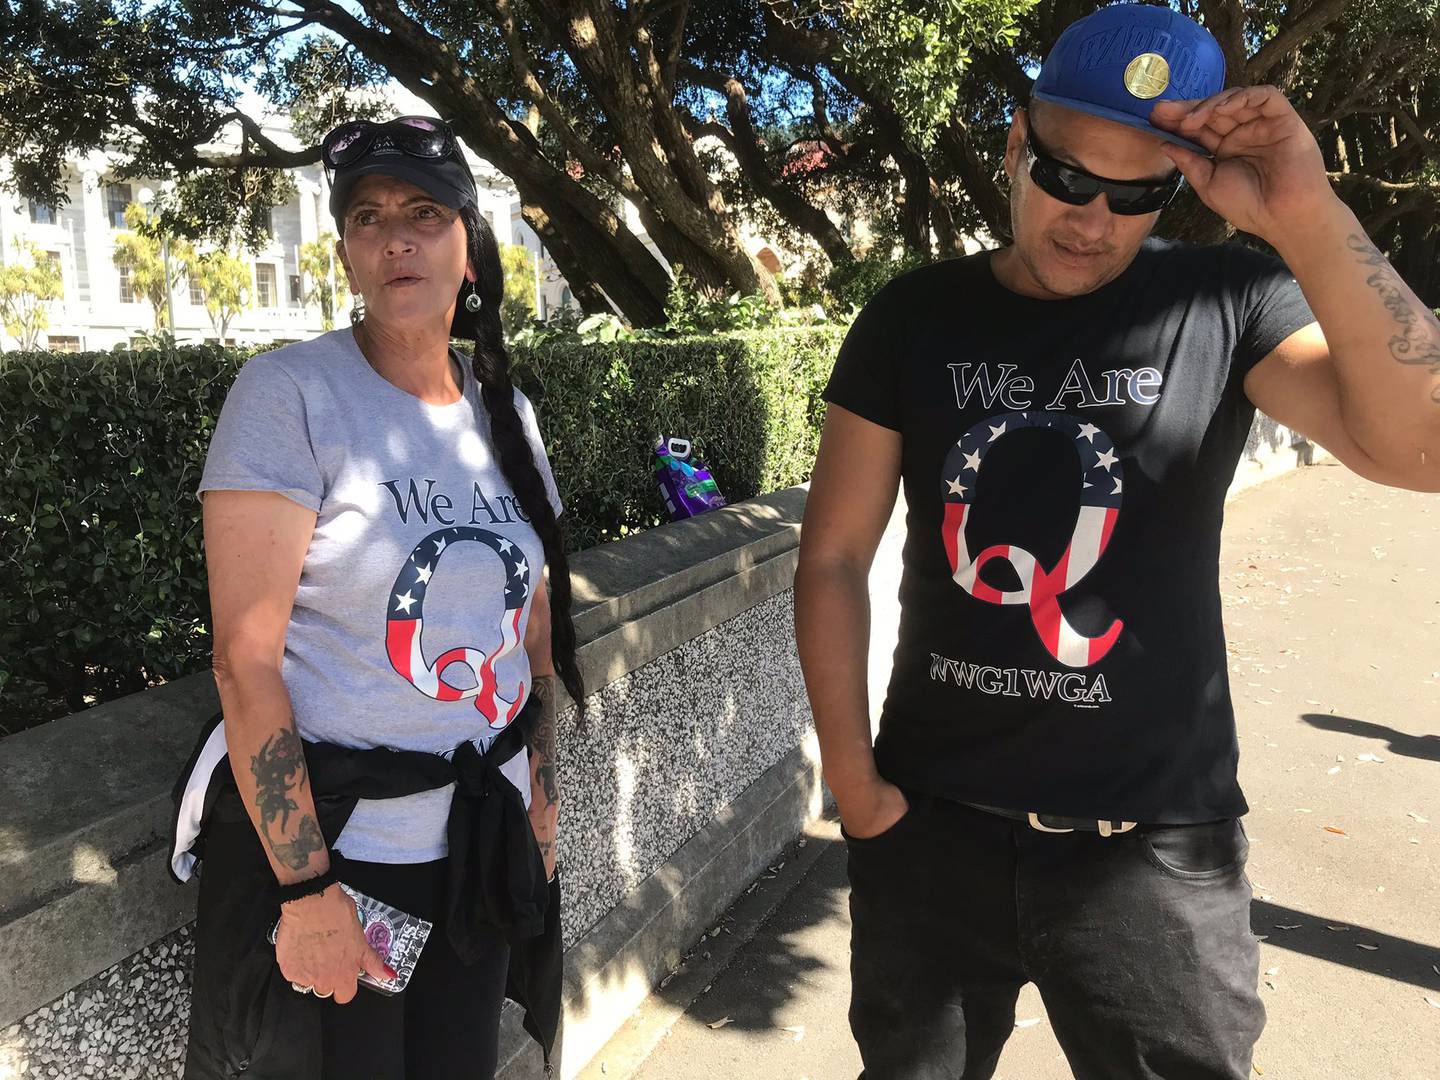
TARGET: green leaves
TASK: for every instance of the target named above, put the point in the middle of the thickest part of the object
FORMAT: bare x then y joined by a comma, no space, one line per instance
518,266
25,287
104,584
750,401
325,281
920,49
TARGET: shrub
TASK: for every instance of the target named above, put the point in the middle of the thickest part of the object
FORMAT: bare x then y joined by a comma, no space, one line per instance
104,584
104,591
849,286
750,402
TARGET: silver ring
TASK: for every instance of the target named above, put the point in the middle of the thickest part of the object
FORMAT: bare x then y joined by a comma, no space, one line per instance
302,989
318,994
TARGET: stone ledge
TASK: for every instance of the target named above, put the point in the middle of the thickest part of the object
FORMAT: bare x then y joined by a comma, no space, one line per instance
617,583
614,967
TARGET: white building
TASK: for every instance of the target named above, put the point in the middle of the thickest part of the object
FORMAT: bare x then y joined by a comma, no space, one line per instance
99,309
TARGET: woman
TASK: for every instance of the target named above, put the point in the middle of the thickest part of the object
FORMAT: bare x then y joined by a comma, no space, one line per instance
377,514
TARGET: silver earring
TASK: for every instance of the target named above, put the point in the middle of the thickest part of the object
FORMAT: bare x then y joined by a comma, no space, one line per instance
473,302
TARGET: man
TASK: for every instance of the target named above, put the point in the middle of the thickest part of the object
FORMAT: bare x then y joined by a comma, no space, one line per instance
1052,796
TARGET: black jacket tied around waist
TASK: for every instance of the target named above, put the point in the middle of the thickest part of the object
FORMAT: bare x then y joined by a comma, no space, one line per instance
496,883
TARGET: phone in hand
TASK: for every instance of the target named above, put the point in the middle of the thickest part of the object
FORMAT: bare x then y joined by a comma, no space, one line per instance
396,936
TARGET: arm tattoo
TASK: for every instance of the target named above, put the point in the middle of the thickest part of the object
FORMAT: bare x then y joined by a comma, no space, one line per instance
279,768
1418,339
296,854
542,741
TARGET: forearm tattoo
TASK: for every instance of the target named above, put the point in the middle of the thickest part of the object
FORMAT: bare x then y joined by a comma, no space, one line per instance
542,741
1418,340
279,768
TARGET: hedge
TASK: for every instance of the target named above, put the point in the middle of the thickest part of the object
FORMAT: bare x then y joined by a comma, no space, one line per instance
103,591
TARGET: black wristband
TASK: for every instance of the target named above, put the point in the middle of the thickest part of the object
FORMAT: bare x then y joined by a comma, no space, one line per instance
284,894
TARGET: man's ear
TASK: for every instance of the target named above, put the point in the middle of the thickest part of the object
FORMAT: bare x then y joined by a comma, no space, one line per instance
1015,142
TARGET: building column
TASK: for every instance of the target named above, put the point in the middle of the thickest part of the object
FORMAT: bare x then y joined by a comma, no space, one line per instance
99,251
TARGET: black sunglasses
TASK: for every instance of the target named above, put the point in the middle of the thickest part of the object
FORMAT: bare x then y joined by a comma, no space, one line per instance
419,136
1073,185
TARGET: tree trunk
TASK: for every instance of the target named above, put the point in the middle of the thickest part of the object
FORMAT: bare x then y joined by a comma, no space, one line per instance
915,197
597,245
687,207
978,182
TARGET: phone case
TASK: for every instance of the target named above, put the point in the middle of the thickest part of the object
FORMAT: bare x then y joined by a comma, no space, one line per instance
396,936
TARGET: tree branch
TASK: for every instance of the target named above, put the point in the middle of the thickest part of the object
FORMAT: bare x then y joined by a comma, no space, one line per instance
750,155
1297,29
1377,81
533,90
1004,69
819,106
253,43
977,179
1226,20
1378,183
1377,221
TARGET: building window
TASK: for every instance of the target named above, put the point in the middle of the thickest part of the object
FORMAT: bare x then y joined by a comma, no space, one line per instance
41,213
63,343
295,290
265,285
117,198
197,294
53,258
127,287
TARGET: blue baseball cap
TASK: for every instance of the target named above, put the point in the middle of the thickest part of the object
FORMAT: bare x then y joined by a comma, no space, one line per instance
1116,63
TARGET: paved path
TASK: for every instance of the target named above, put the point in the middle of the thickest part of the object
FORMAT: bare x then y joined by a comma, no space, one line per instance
1332,596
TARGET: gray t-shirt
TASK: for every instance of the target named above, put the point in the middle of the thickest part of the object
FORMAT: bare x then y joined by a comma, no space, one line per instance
409,622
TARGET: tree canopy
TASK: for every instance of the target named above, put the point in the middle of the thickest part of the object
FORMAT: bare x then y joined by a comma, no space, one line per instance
802,116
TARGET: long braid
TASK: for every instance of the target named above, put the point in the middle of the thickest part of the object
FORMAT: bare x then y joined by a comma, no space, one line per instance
517,461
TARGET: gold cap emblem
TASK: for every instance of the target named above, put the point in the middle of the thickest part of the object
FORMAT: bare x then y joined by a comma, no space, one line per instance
1147,75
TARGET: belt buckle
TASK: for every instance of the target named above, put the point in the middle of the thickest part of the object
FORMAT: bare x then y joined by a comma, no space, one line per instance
1034,820
1105,828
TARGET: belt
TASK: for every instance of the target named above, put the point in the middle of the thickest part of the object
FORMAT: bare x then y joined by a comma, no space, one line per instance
1056,823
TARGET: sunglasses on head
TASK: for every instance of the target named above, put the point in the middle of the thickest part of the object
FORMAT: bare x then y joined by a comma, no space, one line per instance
419,136
1073,185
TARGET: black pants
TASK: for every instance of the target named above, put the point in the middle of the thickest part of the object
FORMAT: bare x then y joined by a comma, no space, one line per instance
1139,943
247,1022
445,1024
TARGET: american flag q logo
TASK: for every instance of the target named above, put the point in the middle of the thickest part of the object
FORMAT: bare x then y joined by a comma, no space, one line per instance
405,625
1102,489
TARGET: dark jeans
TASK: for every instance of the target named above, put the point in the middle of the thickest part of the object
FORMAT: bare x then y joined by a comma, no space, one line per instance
1139,943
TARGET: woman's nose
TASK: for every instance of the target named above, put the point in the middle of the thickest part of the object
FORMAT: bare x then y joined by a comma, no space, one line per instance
399,240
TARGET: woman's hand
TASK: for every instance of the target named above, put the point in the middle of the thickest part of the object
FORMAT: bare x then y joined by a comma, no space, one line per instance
321,945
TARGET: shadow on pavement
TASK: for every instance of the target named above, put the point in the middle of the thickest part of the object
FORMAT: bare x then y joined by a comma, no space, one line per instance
1394,958
786,959
1425,747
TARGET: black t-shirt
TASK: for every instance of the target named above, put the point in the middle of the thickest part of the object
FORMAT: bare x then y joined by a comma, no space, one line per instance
1065,464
